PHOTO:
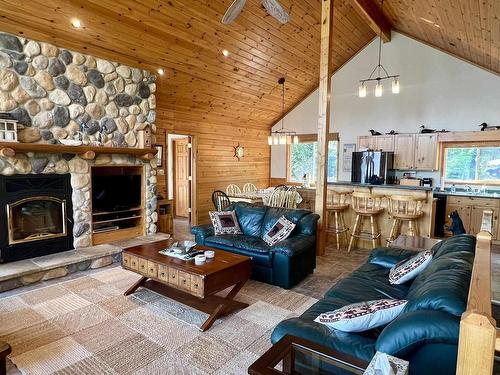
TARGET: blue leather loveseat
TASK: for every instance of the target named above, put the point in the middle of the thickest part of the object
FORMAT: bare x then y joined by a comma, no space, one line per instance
283,264
425,334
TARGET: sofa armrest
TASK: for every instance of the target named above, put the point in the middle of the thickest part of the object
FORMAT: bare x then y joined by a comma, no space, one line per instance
389,256
201,232
294,245
411,330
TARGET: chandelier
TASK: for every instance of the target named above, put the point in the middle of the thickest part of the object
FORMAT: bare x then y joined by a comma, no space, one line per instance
282,136
382,75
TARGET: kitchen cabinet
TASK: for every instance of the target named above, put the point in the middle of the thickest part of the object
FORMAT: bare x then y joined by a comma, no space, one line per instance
367,142
404,151
385,142
471,210
465,214
426,152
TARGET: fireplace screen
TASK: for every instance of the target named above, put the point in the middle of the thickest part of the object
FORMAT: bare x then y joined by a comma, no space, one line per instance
36,218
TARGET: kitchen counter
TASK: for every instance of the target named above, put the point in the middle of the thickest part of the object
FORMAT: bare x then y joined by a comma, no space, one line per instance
389,186
494,195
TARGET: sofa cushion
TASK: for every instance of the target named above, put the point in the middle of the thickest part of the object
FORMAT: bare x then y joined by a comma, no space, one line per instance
274,213
360,345
368,282
250,218
389,256
224,222
463,242
279,231
443,285
362,316
408,269
232,244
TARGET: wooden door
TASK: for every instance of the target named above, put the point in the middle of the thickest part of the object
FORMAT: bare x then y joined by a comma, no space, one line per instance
367,142
385,142
181,176
465,214
426,147
404,151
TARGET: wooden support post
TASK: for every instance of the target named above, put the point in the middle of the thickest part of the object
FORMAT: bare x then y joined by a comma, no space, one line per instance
374,17
325,79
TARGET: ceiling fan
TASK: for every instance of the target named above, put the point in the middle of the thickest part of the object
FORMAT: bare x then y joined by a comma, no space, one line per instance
273,7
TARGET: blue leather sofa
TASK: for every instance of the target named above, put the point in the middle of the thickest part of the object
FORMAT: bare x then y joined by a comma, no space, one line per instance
425,334
284,264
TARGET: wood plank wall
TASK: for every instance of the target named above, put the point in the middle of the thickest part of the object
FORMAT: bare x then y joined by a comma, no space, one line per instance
216,165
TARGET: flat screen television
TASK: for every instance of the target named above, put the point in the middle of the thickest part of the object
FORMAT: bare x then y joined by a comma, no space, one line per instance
115,193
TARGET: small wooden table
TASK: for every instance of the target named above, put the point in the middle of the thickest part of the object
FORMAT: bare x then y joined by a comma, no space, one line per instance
414,242
190,284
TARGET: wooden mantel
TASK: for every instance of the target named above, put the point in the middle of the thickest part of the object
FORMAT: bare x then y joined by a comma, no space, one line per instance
9,149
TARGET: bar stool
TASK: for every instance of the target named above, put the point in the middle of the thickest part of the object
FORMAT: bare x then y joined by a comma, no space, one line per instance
365,205
337,203
404,208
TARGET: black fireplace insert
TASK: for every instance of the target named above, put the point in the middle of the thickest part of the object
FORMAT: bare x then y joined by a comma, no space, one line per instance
35,216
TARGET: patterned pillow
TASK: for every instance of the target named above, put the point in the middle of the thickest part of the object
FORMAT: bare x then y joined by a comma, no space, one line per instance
362,316
224,222
410,268
279,231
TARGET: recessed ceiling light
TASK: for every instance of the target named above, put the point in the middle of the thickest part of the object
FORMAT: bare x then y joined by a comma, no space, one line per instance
225,52
161,71
76,23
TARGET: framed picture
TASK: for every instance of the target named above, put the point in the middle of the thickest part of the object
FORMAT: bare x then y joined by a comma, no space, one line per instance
159,155
347,151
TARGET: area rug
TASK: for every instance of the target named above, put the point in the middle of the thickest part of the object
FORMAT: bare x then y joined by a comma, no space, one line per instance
86,326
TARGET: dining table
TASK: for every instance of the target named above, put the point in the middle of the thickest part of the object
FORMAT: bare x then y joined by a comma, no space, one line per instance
260,196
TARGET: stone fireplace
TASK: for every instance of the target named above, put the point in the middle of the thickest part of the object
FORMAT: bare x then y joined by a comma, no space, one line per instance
35,215
58,95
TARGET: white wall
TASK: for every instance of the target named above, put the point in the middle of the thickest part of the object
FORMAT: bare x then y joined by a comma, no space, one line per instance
437,90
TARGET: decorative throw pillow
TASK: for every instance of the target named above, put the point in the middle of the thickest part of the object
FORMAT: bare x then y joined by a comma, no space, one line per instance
410,268
224,222
362,316
279,231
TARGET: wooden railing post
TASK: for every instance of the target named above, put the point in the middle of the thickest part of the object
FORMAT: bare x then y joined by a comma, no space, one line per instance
476,343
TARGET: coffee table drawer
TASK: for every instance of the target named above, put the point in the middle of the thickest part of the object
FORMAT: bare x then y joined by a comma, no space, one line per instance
184,280
126,260
163,273
152,269
134,263
173,276
197,285
143,266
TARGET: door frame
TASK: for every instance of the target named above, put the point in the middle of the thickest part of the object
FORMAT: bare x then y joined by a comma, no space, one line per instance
193,201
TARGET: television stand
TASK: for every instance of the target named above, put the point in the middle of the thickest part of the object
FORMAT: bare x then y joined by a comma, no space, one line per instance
122,223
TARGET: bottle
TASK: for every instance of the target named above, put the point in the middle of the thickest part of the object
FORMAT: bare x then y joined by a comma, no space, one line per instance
304,180
453,188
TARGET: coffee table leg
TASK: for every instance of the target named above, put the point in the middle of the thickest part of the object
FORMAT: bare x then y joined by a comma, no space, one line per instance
134,287
221,309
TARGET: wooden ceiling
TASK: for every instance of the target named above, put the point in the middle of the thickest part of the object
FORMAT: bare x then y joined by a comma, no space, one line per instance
186,38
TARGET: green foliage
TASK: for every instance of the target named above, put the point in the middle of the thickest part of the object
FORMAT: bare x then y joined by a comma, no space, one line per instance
473,163
303,160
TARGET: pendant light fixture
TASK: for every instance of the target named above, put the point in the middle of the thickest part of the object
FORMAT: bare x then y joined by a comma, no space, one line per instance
282,136
382,75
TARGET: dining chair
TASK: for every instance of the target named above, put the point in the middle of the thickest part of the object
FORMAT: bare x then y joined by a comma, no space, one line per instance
281,187
249,188
277,198
291,197
233,189
220,200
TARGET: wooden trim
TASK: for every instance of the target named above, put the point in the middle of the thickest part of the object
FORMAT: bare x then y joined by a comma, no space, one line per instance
478,336
374,17
83,151
473,136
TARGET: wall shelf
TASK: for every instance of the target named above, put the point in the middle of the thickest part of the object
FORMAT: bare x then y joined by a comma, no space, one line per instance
9,149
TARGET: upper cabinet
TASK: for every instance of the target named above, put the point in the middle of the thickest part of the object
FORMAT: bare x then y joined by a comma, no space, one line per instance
404,151
426,152
411,151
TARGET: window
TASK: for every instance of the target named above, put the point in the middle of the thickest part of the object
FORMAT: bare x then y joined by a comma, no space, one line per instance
474,164
302,161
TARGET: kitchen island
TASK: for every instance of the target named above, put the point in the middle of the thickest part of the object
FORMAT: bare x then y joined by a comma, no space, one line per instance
425,223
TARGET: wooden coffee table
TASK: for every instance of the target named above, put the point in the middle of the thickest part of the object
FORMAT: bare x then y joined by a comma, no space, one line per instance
190,284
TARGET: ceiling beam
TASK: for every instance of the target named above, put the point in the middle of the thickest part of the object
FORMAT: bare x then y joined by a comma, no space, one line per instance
374,17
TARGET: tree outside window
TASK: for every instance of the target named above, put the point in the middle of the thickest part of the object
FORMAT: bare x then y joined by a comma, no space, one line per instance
303,158
472,164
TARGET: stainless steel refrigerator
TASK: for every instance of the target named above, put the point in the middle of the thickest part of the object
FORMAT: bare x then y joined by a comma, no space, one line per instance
372,167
